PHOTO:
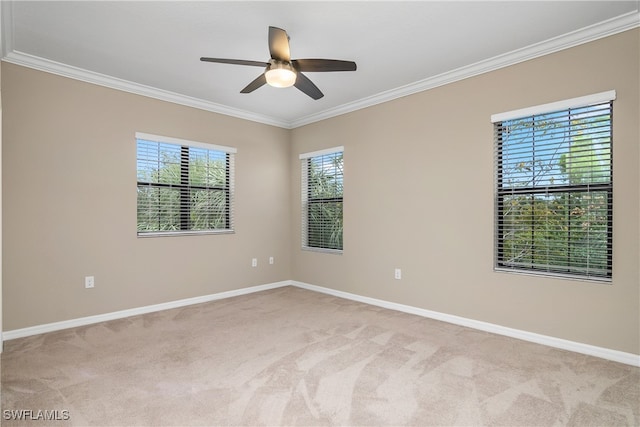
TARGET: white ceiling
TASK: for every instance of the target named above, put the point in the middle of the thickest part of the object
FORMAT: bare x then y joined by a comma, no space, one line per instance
153,47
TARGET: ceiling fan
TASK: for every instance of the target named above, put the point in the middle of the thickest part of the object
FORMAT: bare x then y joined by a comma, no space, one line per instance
282,71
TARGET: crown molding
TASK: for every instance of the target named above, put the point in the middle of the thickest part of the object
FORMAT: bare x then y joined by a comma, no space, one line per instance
584,35
53,67
9,54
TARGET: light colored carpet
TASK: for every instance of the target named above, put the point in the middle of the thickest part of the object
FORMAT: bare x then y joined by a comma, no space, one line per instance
294,357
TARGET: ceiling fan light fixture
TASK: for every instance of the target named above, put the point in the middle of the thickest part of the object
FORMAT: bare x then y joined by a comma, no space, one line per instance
282,71
280,74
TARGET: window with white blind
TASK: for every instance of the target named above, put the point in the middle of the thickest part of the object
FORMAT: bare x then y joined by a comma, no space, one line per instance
554,188
322,187
184,187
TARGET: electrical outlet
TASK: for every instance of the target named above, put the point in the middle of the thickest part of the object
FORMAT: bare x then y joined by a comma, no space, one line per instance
89,282
398,274
270,260
254,262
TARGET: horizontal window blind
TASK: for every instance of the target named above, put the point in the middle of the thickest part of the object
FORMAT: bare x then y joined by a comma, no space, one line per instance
554,190
184,187
322,200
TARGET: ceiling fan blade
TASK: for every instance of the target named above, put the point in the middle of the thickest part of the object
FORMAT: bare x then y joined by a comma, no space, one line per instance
305,85
279,44
323,65
235,61
258,82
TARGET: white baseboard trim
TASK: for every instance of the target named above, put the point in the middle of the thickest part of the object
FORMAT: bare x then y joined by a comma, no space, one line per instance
591,350
89,320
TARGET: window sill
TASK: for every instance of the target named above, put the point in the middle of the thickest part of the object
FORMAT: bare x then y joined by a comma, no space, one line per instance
183,233
591,279
324,250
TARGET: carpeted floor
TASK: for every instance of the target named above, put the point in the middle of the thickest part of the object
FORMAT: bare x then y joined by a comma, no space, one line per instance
294,357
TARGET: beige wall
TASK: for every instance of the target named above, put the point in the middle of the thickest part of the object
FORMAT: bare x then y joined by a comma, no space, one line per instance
70,203
419,196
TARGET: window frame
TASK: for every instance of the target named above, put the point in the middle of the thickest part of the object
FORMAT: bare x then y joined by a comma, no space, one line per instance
185,188
501,192
307,201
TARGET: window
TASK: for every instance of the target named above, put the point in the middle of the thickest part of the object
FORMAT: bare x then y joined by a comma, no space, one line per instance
554,188
322,185
184,187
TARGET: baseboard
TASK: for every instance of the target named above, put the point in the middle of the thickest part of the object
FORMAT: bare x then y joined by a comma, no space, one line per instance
591,350
601,352
89,320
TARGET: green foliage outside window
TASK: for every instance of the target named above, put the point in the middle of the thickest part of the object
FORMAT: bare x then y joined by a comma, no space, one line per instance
554,211
182,188
324,201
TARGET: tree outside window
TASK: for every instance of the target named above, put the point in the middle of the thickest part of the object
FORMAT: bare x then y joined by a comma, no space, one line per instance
554,192
183,188
323,201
